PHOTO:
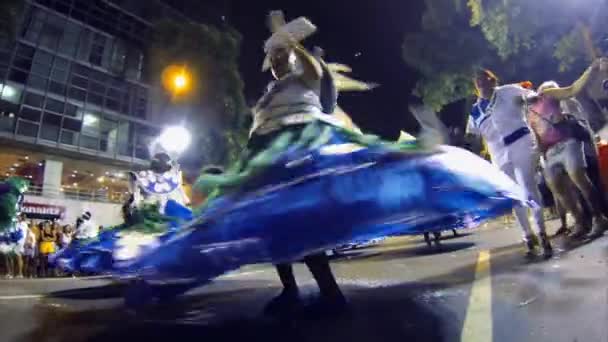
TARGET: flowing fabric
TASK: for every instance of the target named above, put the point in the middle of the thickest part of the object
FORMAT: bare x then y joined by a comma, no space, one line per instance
324,190
123,243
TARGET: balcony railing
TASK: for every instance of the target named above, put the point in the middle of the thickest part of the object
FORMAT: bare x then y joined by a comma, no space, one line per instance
90,195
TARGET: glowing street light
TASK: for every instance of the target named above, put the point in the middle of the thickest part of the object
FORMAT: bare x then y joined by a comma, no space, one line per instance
175,139
180,81
177,80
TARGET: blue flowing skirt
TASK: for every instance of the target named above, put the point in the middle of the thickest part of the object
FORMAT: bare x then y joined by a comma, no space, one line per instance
97,256
315,197
321,191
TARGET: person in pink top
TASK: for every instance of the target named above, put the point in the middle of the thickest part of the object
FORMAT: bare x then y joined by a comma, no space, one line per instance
562,151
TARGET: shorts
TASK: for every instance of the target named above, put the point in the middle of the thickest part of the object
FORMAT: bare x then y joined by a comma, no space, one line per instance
29,251
567,155
6,248
19,249
47,247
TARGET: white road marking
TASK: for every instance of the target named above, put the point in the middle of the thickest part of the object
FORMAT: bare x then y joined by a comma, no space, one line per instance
242,274
478,320
28,296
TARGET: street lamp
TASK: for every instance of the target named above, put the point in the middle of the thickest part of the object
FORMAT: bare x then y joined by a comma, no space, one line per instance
175,139
177,80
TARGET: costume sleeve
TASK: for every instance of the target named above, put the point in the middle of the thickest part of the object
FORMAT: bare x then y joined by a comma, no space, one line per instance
471,129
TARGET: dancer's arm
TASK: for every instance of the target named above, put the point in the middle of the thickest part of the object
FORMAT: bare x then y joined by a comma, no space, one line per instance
578,86
311,68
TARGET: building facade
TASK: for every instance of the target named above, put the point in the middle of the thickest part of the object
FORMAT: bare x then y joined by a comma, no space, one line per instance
75,101
73,81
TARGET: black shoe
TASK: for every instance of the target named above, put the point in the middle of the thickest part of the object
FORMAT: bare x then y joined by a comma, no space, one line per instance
547,248
599,227
285,303
531,244
562,231
578,233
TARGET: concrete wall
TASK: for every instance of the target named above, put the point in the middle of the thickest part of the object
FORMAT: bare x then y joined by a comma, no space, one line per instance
105,214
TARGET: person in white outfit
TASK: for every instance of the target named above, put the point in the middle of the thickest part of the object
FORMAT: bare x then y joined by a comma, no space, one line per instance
498,117
86,228
19,247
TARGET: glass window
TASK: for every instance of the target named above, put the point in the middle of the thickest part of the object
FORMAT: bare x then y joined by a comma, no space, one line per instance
90,120
80,82
84,47
5,57
43,57
89,142
97,87
97,49
22,63
119,56
72,124
27,129
77,94
17,76
52,32
135,65
124,139
34,24
11,93
54,105
59,75
25,51
37,82
33,100
71,109
51,124
71,36
112,105
57,88
80,70
95,99
68,137
41,69
60,63
30,114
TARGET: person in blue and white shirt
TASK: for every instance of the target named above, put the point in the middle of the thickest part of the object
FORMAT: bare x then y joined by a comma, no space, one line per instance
498,118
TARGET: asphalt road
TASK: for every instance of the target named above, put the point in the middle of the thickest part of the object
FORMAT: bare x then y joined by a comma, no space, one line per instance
475,288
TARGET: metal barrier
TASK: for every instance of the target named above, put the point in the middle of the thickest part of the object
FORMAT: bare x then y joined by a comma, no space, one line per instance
78,194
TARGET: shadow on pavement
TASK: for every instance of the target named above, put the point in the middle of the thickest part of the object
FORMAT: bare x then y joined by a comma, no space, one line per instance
92,293
392,314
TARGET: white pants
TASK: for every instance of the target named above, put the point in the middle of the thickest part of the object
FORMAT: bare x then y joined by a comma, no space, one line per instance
521,165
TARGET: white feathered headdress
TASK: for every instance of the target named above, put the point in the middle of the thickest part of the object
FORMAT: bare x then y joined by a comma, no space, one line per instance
283,33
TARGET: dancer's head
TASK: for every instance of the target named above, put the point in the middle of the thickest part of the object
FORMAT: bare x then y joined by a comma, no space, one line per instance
280,57
282,61
547,85
161,162
485,81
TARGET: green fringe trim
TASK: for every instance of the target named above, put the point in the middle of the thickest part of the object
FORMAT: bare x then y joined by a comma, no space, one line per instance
146,220
315,135
8,202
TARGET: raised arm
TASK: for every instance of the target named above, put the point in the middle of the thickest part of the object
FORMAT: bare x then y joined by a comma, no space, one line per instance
311,69
578,86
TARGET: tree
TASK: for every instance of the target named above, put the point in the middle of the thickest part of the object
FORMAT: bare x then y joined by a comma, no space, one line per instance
210,55
445,52
519,39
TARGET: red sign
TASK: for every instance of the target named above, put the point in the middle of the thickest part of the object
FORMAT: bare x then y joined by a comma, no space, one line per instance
42,210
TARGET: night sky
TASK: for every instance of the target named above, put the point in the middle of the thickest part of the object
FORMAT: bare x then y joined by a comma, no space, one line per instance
373,29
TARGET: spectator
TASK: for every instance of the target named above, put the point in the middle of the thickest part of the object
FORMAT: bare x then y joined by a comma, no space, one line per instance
66,236
19,248
29,254
48,237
